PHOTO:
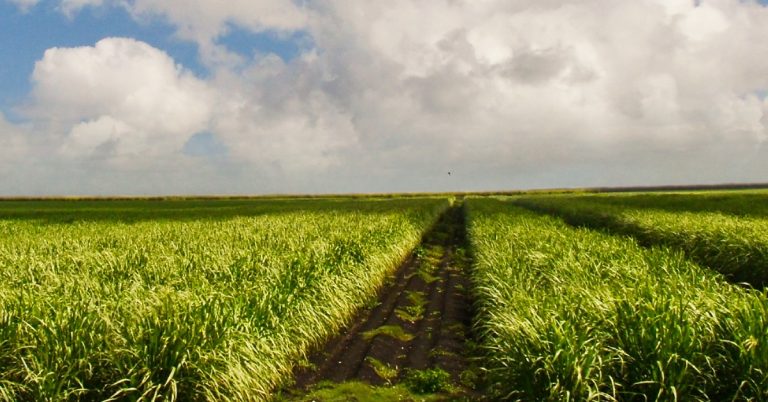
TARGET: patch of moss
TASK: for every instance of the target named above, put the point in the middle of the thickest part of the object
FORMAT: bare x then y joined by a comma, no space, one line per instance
393,331
429,264
383,370
417,305
427,276
428,381
361,392
441,352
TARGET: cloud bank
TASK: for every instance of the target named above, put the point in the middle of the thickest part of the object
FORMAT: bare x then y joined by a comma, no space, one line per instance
392,96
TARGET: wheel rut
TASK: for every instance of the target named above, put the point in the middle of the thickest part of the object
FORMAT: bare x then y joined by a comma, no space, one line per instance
421,320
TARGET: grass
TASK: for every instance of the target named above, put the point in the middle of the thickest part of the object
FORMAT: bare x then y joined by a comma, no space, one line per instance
219,299
186,300
737,203
572,314
736,246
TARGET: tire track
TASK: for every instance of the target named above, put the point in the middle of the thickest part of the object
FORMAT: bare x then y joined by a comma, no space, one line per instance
420,322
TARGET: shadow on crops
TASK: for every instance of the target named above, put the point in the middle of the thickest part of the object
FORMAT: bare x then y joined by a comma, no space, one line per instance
736,204
69,211
742,264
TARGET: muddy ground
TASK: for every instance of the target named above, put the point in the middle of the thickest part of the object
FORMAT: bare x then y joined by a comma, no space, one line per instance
421,320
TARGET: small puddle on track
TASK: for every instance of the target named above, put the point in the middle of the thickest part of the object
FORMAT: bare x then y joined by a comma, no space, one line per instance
415,335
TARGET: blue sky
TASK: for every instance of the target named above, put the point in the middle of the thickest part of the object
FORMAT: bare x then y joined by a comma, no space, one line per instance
25,35
297,96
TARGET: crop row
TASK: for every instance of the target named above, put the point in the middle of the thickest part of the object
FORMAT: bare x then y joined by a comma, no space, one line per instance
736,246
571,314
168,305
739,203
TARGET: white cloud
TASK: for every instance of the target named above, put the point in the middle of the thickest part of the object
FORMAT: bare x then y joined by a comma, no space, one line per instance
13,145
273,116
107,138
503,93
118,98
703,22
532,87
204,21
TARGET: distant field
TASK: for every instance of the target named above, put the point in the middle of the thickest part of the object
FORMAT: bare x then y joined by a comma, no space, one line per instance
726,231
577,295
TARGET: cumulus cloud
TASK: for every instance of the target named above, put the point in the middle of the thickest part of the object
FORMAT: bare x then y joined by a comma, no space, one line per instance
204,21
503,93
524,86
120,98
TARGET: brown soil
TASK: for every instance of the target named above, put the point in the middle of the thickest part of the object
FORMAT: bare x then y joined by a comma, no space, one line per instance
421,320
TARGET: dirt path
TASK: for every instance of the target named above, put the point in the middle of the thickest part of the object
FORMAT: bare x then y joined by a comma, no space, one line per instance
420,322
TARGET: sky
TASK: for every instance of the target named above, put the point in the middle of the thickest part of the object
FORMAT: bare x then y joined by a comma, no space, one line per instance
153,97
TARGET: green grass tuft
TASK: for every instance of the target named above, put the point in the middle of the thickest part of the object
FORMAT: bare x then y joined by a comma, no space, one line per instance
394,331
428,381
